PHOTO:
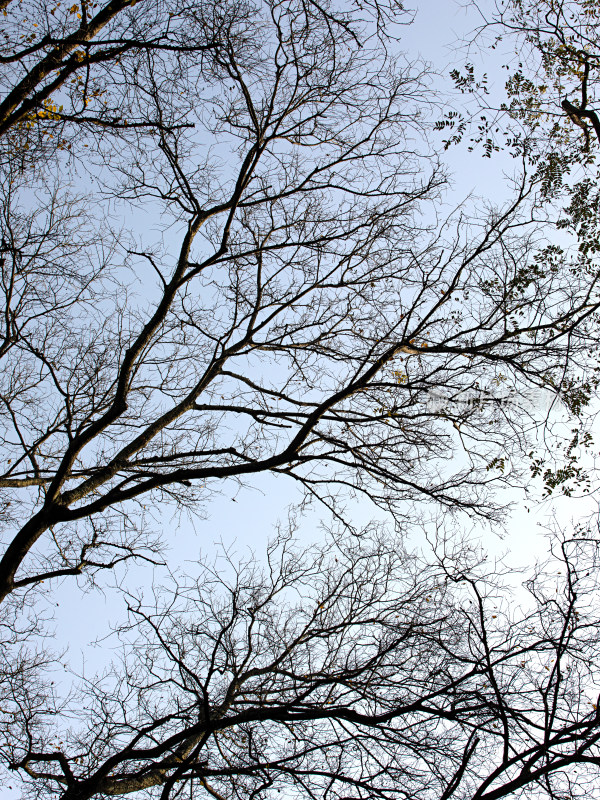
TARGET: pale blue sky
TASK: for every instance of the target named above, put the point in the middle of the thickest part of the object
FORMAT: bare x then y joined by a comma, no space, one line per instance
248,517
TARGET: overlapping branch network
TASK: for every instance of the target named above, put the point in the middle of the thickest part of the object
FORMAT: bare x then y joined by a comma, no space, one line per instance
355,671
312,306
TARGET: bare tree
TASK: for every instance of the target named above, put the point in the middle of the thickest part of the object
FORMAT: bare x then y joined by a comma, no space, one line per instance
312,310
302,308
352,671
80,69
76,72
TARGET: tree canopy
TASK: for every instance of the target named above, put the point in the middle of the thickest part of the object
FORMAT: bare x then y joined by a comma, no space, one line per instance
227,250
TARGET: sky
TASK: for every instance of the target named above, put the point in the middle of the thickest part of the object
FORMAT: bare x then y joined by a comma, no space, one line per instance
246,518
